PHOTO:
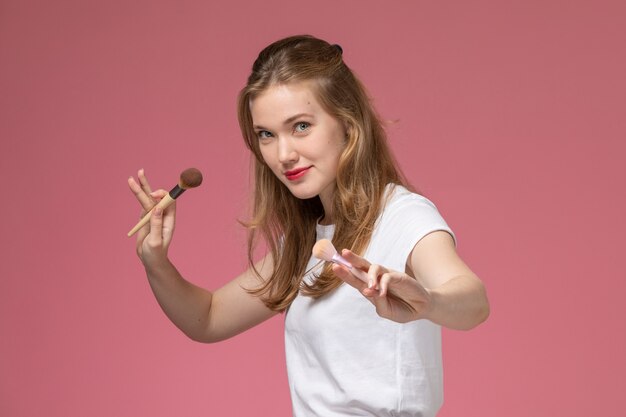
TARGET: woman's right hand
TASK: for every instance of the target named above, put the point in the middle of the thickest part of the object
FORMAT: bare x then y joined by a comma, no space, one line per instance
154,238
202,315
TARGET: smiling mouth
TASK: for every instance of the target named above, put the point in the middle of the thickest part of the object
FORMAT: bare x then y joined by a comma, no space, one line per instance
294,174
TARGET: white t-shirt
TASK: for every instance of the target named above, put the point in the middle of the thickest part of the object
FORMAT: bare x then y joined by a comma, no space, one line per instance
345,360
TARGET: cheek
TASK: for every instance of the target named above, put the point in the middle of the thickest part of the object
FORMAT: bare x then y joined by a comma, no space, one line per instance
269,157
339,147
266,155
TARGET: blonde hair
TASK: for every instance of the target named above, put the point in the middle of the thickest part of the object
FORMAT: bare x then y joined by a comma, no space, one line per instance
365,167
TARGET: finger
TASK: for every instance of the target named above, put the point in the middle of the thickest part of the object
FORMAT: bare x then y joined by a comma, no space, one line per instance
374,273
155,237
370,292
143,180
382,304
356,260
141,236
389,305
144,199
345,275
169,222
158,195
386,280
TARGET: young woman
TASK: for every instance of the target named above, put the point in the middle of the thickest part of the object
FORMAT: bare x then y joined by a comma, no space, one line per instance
323,169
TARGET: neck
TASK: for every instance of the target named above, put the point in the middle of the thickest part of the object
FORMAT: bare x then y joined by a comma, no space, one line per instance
328,209
327,197
325,221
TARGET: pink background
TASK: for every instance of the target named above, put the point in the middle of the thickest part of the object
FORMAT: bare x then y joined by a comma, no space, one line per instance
509,115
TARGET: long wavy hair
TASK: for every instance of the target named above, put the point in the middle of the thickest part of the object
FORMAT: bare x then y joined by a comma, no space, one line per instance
366,166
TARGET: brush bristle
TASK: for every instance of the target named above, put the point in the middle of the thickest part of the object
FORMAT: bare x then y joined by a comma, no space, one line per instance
190,178
324,250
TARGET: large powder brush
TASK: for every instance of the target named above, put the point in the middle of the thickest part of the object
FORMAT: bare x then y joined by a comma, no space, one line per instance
190,178
324,250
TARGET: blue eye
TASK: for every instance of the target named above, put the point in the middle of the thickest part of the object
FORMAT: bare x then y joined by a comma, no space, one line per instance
263,134
301,126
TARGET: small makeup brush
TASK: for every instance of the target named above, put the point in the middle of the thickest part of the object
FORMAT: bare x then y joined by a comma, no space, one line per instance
190,178
325,251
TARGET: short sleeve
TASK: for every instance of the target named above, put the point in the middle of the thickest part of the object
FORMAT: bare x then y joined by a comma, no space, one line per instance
405,220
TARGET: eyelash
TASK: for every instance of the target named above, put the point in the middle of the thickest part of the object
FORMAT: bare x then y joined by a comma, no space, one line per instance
302,123
264,134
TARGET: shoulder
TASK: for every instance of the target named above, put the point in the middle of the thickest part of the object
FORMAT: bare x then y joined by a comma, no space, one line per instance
399,201
405,219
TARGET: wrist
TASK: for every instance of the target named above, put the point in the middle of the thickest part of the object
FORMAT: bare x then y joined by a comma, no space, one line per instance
432,306
157,266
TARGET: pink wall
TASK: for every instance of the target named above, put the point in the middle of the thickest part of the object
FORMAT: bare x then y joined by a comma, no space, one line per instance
509,116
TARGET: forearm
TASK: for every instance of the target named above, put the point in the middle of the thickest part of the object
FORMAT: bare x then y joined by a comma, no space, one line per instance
184,303
460,303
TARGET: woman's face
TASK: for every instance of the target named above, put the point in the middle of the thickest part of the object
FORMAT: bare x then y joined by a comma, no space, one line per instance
299,140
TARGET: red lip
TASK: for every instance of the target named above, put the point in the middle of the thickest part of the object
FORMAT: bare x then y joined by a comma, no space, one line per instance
294,174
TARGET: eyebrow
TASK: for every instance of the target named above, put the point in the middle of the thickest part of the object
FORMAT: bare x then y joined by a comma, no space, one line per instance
288,120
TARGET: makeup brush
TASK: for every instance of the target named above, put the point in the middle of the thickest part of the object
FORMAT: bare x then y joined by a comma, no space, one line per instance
325,251
190,178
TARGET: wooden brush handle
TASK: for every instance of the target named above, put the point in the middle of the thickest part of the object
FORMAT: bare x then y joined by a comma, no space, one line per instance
165,202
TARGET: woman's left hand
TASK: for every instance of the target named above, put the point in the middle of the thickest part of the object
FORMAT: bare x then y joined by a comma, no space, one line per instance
396,295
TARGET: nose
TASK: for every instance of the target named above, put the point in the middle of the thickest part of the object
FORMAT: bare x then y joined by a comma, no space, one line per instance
287,153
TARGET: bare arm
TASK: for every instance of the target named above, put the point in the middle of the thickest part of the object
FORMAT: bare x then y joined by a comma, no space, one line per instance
201,315
458,299
436,285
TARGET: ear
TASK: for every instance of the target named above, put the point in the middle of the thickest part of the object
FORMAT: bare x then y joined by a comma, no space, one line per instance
347,127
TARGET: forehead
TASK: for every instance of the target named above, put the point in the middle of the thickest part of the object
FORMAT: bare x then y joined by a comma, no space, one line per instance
280,102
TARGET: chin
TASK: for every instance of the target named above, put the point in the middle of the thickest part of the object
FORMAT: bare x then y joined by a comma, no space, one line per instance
302,193
303,196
